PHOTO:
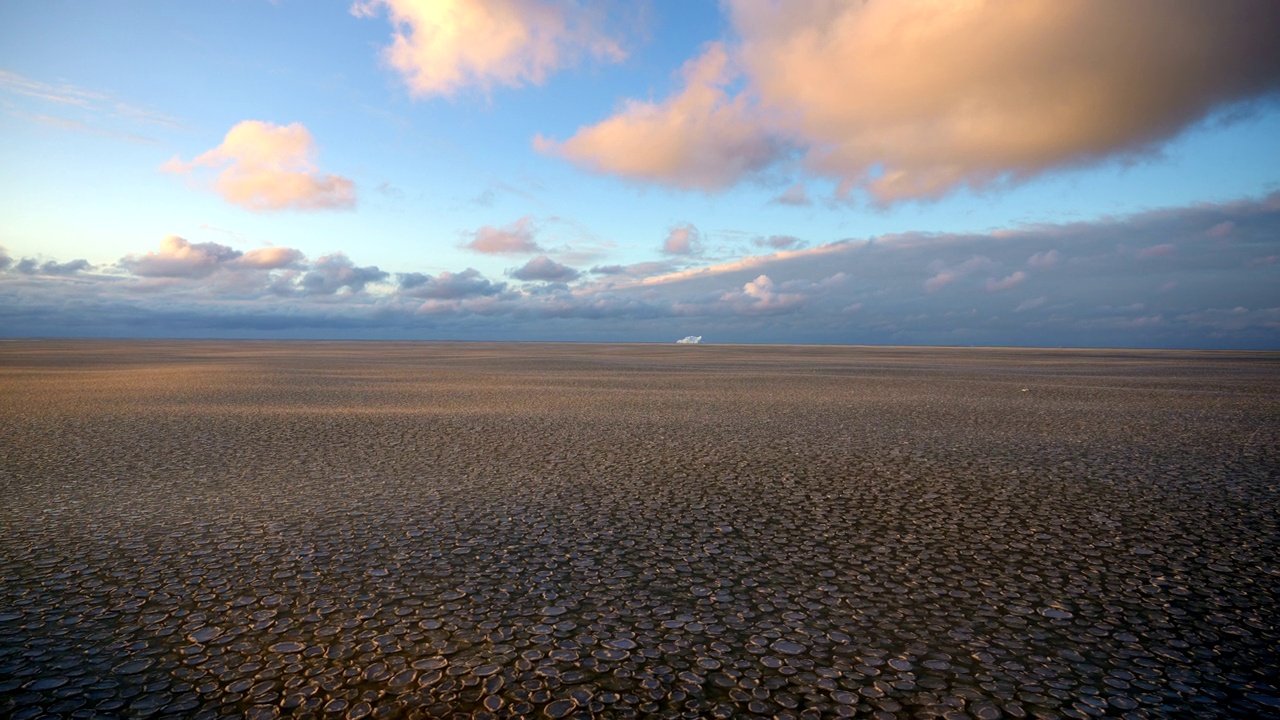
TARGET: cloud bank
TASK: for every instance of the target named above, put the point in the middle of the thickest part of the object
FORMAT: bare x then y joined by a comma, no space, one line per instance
1199,276
267,167
915,99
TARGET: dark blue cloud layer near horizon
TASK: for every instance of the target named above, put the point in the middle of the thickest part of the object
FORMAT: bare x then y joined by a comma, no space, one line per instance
1206,276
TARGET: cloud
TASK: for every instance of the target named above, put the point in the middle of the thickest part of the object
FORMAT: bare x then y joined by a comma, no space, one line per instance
945,275
29,266
182,259
448,286
795,196
513,239
271,258
762,296
635,270
443,46
1044,259
700,139
1013,280
544,268
683,240
979,93
939,281
1155,251
1030,304
913,100
97,113
779,242
335,272
267,167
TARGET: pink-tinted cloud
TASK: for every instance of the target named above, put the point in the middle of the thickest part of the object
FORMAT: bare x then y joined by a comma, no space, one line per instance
52,268
940,280
271,258
913,99
683,240
442,46
179,258
265,166
700,139
968,94
513,239
1013,280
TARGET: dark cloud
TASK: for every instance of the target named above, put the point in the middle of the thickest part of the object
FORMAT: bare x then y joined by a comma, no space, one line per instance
544,268
29,266
448,286
335,272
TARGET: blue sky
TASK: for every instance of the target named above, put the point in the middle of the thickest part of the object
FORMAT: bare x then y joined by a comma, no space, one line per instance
545,169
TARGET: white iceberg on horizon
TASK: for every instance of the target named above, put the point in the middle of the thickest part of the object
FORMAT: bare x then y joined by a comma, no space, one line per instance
690,340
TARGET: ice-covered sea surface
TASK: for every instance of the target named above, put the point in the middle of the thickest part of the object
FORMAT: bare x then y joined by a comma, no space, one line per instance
408,530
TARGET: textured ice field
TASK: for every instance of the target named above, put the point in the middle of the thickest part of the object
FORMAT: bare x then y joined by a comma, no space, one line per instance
349,530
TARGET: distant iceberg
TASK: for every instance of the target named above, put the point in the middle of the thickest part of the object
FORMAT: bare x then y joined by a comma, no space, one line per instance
690,340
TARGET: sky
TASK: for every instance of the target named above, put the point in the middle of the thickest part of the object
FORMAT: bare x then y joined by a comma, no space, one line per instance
1078,173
